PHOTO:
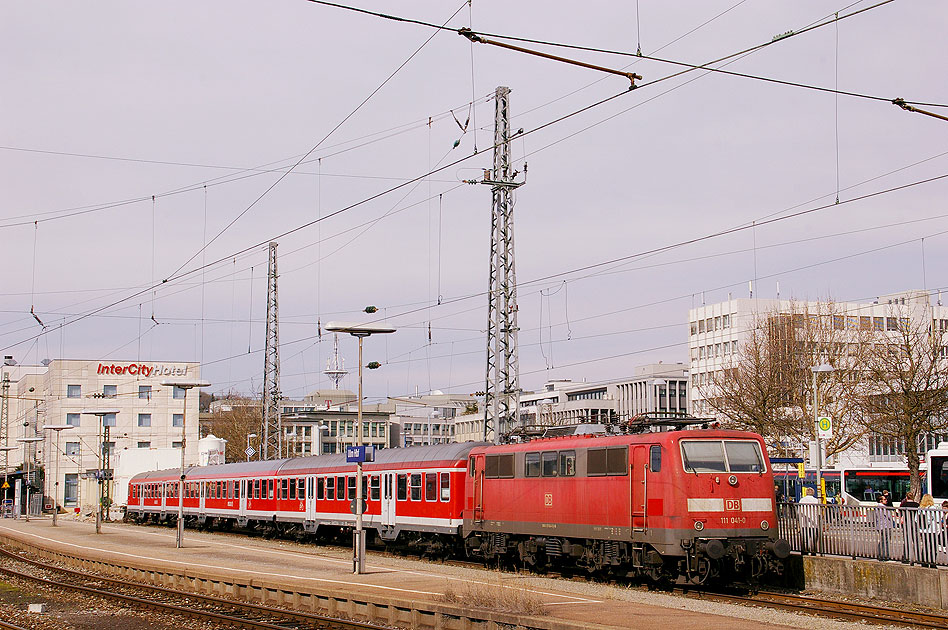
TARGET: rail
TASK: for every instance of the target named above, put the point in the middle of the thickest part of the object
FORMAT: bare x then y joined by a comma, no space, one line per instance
910,535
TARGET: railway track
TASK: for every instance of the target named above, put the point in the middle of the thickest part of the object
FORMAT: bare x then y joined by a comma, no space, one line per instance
220,611
830,608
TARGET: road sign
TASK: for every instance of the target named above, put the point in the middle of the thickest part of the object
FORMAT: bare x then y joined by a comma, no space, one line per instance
251,451
354,504
5,485
825,427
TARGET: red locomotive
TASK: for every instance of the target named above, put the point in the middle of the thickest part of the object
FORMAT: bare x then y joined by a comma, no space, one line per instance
695,503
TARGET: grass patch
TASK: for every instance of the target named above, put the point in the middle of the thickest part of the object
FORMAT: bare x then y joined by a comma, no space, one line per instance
495,596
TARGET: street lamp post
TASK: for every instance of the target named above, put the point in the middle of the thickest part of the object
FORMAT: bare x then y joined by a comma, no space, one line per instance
825,367
359,331
27,441
100,474
249,437
6,481
184,385
58,428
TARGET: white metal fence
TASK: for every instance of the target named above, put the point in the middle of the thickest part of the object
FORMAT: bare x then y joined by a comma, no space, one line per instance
911,535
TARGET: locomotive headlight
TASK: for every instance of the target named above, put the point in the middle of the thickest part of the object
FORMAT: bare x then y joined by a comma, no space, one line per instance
732,480
764,525
699,525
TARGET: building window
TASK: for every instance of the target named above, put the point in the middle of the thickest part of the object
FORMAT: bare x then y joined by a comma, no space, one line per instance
176,444
177,419
144,392
73,391
108,420
72,419
144,419
144,445
110,391
72,448
71,489
177,392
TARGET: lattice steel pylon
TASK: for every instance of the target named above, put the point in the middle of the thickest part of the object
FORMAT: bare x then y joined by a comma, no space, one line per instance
272,429
502,392
5,420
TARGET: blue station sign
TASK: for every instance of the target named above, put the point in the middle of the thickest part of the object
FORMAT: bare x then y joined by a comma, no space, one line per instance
360,454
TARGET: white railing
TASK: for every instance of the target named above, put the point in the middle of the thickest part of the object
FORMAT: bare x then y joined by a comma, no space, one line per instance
910,535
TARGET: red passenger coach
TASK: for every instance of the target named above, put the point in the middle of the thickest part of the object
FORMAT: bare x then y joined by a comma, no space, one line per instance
696,503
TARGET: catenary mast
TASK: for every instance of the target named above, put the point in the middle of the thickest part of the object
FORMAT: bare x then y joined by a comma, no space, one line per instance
502,392
272,429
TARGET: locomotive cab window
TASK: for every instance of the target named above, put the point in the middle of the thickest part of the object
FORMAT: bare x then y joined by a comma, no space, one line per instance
722,456
655,458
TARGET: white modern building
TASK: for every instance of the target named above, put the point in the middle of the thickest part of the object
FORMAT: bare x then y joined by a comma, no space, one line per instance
150,416
433,418
718,332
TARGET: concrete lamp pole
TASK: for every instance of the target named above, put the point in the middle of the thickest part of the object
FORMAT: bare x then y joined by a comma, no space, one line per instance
6,464
184,385
360,331
319,435
29,457
823,368
100,414
58,428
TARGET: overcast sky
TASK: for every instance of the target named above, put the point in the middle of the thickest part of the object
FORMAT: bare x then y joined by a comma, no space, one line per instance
204,105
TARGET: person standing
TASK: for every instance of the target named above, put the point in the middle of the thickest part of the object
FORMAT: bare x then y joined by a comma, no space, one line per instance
809,520
908,513
884,525
929,529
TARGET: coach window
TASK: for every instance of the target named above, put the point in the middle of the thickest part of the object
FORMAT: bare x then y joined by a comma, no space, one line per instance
416,487
292,487
531,465
301,488
402,488
331,488
320,488
445,486
655,458
548,462
270,484
431,486
352,488
255,493
567,463
374,487
309,488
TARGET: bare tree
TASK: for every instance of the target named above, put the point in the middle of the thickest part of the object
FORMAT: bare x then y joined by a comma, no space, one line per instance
905,384
767,386
237,417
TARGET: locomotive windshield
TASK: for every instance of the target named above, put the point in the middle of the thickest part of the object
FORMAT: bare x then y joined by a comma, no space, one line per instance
721,456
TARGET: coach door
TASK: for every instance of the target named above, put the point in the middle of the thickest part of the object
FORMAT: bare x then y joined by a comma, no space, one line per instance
639,481
478,462
388,499
311,498
242,505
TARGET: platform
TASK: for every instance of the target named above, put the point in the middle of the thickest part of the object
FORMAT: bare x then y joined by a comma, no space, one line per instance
394,590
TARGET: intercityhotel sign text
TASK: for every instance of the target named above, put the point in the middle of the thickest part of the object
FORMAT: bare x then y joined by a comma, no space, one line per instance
141,369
